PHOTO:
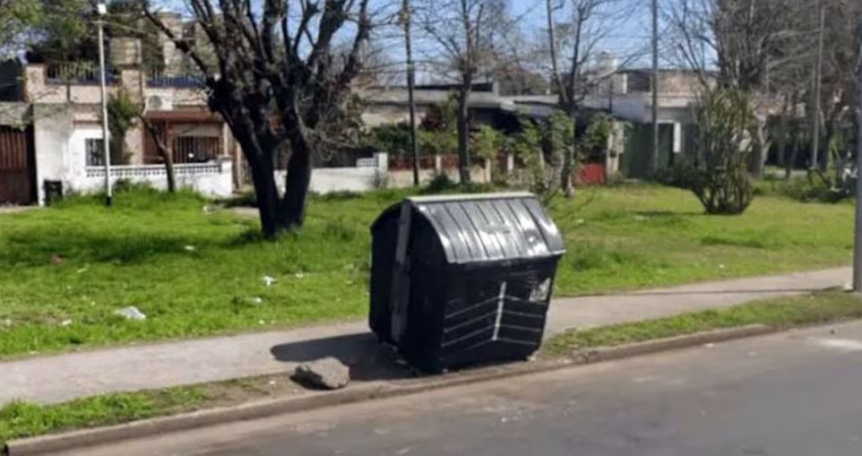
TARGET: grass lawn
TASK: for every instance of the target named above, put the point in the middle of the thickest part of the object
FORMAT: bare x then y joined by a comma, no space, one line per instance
193,273
780,313
20,420
647,236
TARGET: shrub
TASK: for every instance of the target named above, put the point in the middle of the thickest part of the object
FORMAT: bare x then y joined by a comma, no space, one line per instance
719,176
441,183
816,191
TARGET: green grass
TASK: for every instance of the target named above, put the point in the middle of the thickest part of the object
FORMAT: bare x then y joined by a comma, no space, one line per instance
777,313
649,236
135,254
19,419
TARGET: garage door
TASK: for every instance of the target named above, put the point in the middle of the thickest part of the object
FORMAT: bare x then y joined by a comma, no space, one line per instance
17,166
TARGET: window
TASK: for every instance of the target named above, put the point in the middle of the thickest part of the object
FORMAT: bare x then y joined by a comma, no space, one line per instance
196,149
94,152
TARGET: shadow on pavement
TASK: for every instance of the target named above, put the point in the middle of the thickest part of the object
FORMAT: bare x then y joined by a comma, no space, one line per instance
368,360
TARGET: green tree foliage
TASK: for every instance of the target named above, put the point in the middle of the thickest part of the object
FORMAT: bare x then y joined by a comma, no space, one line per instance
540,146
67,31
438,134
487,142
16,16
392,139
123,113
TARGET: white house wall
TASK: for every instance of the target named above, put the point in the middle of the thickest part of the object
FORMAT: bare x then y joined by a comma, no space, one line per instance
52,128
76,170
61,155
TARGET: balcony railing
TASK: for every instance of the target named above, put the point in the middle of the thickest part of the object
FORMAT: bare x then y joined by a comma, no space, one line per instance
185,81
77,73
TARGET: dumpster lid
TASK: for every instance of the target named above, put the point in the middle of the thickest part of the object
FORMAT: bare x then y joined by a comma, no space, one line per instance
490,227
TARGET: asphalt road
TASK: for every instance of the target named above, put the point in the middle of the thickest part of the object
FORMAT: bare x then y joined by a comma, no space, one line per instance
794,394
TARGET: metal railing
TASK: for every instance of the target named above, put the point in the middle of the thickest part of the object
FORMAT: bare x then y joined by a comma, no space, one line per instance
77,73
183,81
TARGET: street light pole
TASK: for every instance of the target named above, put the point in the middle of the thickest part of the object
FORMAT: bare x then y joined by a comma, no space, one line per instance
102,10
406,18
857,250
818,84
656,144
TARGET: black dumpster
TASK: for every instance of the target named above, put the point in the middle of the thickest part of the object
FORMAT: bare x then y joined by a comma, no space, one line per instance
459,280
53,192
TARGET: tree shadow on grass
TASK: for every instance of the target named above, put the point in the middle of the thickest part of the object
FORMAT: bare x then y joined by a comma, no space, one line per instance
658,214
41,247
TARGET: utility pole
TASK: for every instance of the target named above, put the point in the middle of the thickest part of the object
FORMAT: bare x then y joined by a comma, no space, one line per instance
406,19
857,250
656,144
818,84
102,10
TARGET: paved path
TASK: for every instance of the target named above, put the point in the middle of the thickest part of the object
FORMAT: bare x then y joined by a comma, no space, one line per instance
64,377
17,209
788,394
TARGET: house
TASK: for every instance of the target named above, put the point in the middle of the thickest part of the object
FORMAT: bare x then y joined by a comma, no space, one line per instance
68,133
624,94
52,131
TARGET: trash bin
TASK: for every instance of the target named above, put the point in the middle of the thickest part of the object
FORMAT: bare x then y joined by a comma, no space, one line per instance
464,279
53,191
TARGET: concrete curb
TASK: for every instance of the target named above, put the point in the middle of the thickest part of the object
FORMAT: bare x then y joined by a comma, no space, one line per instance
673,343
263,409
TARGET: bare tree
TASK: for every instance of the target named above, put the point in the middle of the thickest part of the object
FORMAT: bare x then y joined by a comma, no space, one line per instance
576,40
751,45
839,78
274,80
157,134
456,27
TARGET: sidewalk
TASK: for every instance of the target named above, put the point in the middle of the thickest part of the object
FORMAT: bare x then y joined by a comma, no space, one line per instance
69,376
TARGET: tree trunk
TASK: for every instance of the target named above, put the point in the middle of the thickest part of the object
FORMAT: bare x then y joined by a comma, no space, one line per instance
259,152
794,155
169,172
464,135
299,166
782,135
569,160
263,176
163,151
757,159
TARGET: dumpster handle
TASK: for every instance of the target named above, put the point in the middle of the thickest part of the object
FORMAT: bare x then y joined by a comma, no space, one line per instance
401,280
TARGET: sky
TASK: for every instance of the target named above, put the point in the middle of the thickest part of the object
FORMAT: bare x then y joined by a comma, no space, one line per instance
627,33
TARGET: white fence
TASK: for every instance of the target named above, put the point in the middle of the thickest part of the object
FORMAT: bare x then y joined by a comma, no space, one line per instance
211,179
369,173
216,179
